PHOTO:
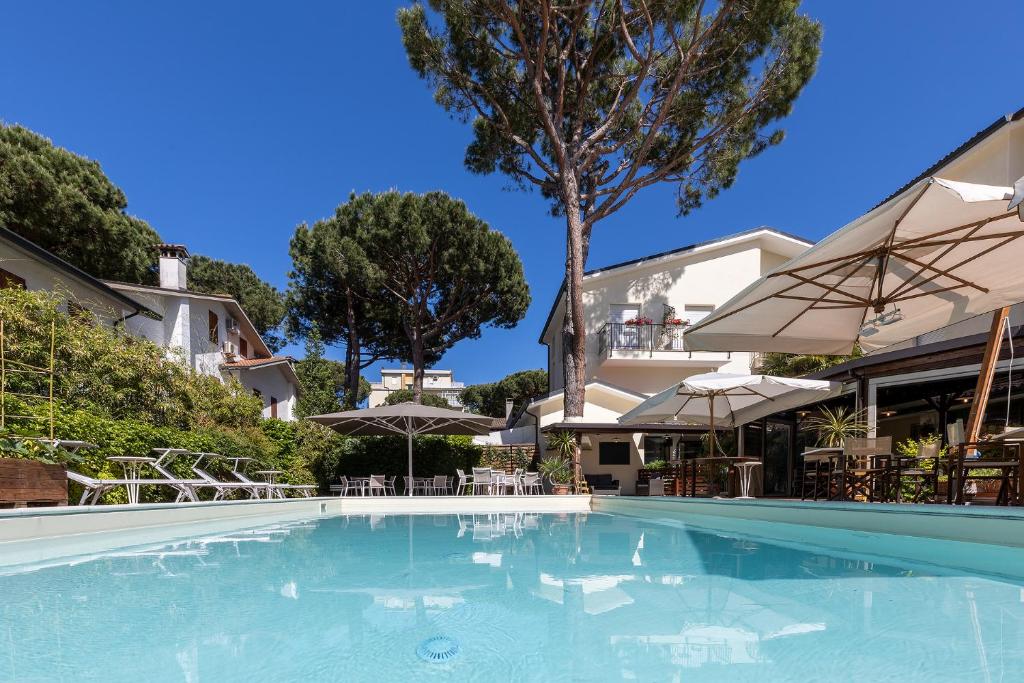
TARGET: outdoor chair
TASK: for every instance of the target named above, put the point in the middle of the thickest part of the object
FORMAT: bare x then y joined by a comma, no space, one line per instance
814,480
439,486
863,470
532,483
389,486
348,486
375,486
463,482
417,486
482,478
221,488
915,473
95,488
656,487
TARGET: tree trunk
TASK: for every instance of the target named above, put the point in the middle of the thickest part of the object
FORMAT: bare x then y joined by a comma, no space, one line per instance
417,366
353,354
574,334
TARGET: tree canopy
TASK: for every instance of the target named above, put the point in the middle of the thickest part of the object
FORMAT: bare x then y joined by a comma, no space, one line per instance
441,272
64,203
489,399
593,101
261,301
318,389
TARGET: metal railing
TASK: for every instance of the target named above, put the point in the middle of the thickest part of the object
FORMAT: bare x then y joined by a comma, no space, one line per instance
649,338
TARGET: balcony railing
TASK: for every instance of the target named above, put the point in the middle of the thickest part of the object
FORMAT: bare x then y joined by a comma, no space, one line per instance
644,338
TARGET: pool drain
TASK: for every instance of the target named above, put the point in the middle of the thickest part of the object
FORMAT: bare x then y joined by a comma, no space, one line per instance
437,649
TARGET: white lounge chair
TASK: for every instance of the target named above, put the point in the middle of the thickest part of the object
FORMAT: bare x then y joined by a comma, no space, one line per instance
95,488
270,490
221,488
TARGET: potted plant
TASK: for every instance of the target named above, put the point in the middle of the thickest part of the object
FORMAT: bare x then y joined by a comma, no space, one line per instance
32,471
559,468
834,426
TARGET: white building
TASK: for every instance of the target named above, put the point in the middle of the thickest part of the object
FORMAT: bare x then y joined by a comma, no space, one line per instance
25,264
438,382
211,334
635,313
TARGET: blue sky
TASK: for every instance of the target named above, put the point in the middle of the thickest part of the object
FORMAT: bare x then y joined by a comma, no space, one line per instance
229,123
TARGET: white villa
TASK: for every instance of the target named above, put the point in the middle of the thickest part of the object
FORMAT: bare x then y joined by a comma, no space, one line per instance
438,382
211,334
25,264
635,314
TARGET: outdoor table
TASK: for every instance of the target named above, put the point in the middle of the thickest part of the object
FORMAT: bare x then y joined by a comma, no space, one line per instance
271,477
132,466
727,460
746,470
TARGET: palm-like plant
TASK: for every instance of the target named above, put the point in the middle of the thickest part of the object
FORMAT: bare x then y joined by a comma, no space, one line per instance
559,469
834,426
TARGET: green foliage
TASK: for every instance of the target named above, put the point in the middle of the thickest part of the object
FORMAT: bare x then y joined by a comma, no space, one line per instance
564,444
22,448
262,303
557,468
489,399
406,396
64,203
655,465
389,455
835,425
317,380
657,99
797,365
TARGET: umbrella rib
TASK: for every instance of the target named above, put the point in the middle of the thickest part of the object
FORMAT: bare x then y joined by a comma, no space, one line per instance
980,254
810,306
886,253
906,286
834,289
947,273
923,240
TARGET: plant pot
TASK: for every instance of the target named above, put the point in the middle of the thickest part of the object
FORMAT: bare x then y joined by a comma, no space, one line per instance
560,489
29,482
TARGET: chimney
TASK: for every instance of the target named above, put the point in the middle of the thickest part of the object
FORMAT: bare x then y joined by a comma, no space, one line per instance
508,407
173,266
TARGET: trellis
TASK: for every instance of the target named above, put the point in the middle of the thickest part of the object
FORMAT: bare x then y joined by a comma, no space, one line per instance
10,367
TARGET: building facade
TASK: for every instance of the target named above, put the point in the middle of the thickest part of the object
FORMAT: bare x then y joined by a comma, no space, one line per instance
437,382
635,314
211,334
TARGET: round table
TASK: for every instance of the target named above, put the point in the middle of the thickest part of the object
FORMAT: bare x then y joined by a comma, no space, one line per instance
132,466
746,471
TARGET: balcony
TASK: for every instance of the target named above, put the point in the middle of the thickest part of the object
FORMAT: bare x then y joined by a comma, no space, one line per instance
652,345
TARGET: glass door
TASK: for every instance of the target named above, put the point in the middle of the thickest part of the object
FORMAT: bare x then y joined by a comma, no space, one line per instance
778,446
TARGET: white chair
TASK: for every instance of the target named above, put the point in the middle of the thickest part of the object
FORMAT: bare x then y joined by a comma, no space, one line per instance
221,488
389,485
482,478
439,487
376,485
532,483
463,482
349,486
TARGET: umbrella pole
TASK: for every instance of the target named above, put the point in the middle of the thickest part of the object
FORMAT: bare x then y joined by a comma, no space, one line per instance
985,376
409,434
711,422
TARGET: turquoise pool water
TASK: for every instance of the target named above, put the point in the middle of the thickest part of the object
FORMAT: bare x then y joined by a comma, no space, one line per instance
586,597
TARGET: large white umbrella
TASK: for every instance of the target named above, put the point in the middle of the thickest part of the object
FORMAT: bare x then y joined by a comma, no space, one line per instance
719,399
408,419
938,253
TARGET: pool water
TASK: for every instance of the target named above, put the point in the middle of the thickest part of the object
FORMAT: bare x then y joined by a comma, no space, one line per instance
585,597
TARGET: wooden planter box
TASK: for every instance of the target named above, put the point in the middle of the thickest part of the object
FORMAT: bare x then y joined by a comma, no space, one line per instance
27,482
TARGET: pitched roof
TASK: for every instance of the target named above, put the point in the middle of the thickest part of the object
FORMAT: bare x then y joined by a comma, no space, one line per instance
74,272
959,151
680,251
284,362
229,301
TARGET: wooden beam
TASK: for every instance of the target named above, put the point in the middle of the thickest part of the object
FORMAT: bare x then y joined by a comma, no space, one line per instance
985,375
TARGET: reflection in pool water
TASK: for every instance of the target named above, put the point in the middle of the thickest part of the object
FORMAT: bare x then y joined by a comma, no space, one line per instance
523,597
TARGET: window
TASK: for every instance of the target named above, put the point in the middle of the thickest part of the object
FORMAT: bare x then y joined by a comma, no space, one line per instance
243,347
657,448
9,280
273,407
696,313
214,324
613,453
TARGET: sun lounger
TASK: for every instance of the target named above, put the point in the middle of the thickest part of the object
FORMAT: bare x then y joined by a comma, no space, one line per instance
95,488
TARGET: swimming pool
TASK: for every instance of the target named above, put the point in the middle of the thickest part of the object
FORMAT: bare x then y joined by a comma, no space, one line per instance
547,597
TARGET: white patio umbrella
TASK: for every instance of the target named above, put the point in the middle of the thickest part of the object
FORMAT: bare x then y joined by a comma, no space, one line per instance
409,419
719,399
938,253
